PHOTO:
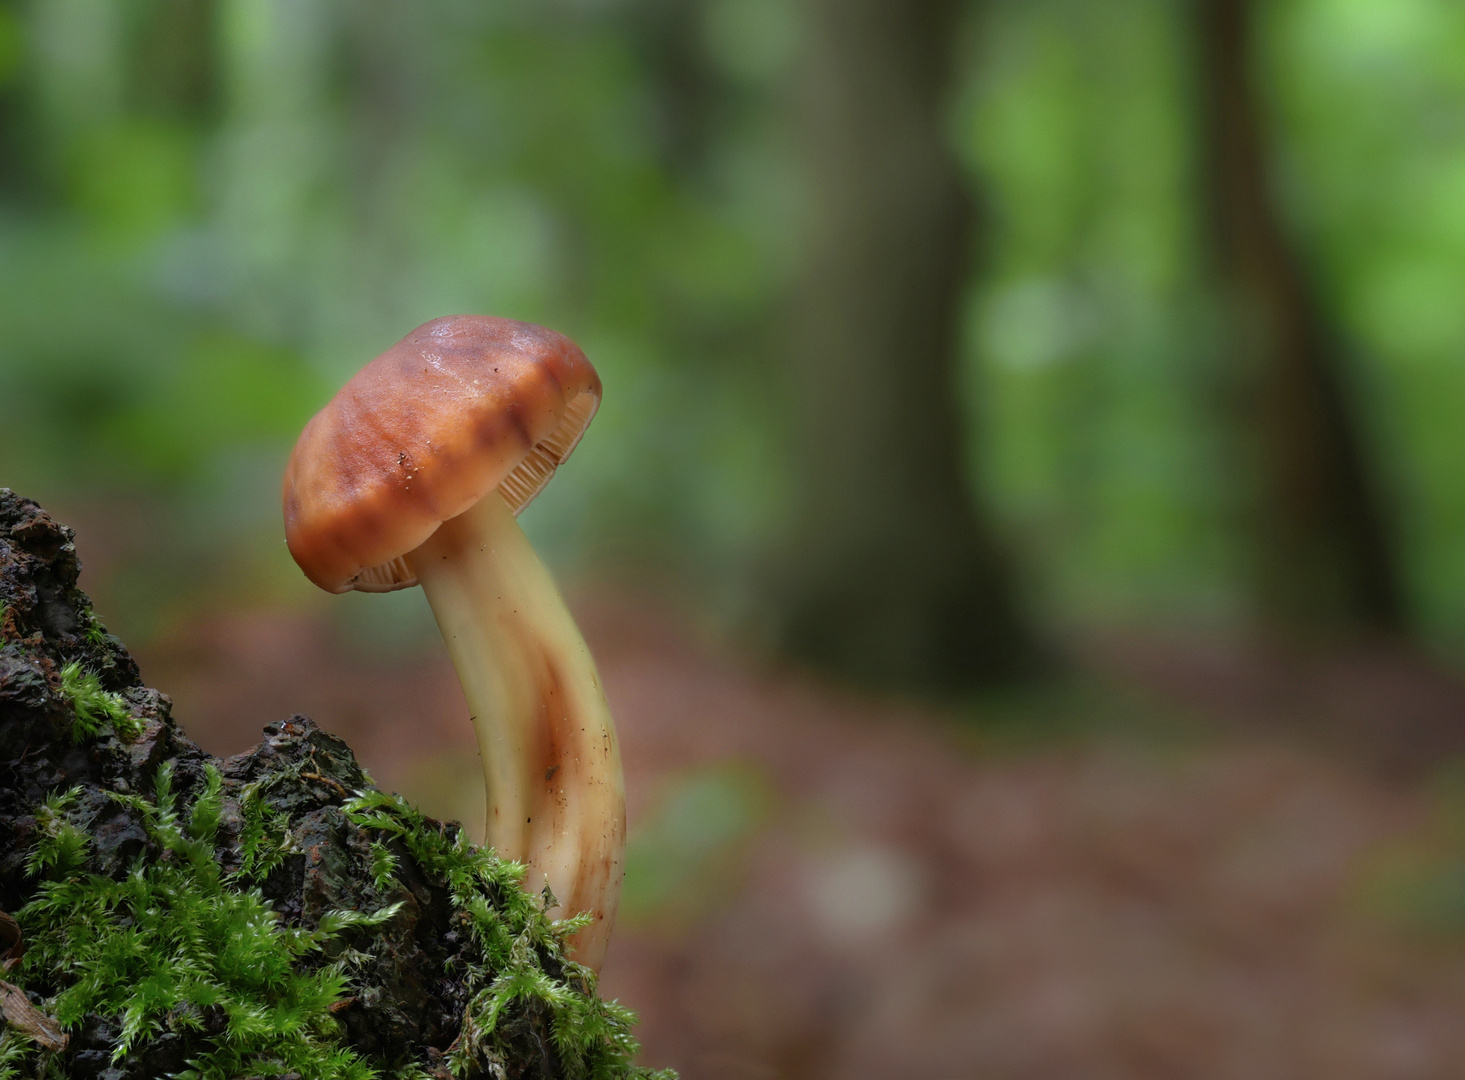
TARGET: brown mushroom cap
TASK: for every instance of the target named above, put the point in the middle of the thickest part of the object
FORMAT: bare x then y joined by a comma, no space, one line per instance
460,406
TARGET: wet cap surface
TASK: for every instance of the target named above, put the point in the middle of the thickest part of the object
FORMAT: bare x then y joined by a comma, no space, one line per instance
461,406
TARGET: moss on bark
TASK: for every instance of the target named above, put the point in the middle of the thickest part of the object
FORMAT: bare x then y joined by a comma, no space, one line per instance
272,914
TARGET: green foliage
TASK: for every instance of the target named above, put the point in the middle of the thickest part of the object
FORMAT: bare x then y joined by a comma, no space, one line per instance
1103,440
96,707
194,250
175,943
523,951
183,284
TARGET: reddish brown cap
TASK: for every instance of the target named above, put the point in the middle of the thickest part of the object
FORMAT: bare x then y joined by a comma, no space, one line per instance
460,406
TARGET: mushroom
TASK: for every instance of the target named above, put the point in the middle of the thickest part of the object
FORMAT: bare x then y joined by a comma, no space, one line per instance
413,473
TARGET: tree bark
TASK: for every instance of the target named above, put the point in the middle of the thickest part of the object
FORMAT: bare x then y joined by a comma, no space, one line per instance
892,575
1324,558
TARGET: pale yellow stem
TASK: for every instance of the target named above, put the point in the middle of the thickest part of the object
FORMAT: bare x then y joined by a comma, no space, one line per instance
556,798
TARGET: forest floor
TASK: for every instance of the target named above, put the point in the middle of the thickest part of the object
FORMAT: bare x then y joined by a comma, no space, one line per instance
1191,860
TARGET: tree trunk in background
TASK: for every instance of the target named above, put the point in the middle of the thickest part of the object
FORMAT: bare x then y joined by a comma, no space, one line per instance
1324,558
892,576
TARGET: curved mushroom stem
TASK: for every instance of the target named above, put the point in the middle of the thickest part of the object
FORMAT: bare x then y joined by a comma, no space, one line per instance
556,798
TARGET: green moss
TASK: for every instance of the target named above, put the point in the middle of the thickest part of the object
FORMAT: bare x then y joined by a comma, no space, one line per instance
63,847
96,634
95,707
12,1055
264,841
177,945
523,952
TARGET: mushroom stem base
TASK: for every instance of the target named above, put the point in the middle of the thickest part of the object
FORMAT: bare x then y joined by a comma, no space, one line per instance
556,798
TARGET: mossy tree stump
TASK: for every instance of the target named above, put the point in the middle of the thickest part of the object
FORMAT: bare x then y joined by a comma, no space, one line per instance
164,912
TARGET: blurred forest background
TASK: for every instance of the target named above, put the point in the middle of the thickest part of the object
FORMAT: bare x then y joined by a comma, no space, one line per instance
1071,373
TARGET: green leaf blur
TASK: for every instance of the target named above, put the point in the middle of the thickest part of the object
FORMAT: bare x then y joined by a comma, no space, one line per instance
212,211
